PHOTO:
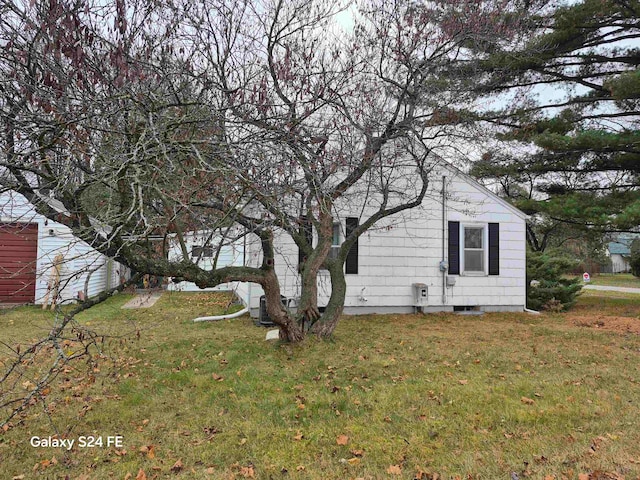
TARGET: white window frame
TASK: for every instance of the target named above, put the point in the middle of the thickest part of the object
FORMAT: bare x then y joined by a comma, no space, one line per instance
335,248
485,249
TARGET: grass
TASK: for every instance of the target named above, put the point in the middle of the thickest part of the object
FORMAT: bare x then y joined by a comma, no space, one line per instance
391,396
616,280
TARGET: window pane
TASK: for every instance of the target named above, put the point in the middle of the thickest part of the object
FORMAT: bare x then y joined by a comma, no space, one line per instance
474,261
473,237
336,234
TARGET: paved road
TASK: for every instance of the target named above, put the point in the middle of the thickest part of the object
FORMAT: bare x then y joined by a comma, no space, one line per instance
612,289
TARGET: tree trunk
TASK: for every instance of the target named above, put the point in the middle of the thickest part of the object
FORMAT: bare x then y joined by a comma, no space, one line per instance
327,323
308,307
290,330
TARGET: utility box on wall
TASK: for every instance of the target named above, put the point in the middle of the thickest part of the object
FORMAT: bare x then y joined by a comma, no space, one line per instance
420,294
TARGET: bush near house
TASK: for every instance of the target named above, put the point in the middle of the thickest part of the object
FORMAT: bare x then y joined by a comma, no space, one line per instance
550,290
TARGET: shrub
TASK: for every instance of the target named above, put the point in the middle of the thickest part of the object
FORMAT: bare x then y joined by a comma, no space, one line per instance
550,291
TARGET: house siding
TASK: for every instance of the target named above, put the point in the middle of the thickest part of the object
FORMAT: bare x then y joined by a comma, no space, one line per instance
407,249
80,260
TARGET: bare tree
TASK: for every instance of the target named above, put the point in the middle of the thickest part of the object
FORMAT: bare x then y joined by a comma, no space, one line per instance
153,119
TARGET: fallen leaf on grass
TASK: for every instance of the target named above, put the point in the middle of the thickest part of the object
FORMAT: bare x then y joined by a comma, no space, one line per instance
583,476
342,440
463,382
299,436
394,470
141,475
148,451
177,466
527,400
217,377
354,461
247,472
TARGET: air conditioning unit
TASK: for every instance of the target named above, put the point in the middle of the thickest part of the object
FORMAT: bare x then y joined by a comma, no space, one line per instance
263,317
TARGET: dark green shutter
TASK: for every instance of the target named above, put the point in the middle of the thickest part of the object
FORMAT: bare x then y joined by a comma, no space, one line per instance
494,249
454,248
351,264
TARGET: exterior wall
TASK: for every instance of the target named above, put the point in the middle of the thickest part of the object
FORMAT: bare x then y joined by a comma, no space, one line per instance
619,263
408,248
82,265
229,255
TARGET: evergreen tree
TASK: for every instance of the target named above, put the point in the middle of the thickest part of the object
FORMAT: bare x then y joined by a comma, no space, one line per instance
579,155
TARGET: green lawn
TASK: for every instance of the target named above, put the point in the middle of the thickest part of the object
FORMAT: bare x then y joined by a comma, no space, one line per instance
395,396
616,280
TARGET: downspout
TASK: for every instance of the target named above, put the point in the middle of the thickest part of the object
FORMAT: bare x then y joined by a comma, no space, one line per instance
222,317
244,264
444,226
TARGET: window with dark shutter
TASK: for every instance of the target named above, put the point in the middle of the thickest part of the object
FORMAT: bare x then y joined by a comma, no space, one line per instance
306,229
494,249
351,264
454,248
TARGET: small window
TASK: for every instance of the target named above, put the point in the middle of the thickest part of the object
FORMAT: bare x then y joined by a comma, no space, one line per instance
204,251
474,249
335,241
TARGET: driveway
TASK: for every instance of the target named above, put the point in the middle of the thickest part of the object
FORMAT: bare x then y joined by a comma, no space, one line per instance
612,289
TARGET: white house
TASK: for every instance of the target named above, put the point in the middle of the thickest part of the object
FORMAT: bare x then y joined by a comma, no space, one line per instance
463,249
29,244
619,252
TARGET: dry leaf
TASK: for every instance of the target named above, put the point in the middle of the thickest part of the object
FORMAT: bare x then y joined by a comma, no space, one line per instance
177,466
141,475
18,477
583,476
357,453
247,472
217,377
300,468
342,440
128,476
354,461
299,436
550,477
463,382
527,401
394,470
210,471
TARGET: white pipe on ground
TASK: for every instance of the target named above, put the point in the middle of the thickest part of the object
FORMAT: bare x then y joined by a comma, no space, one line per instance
222,317
532,312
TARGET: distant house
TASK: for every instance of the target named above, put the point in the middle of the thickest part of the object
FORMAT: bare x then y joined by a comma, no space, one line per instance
29,245
619,252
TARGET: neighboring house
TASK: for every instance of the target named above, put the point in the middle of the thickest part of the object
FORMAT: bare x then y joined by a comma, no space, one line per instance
619,251
29,244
